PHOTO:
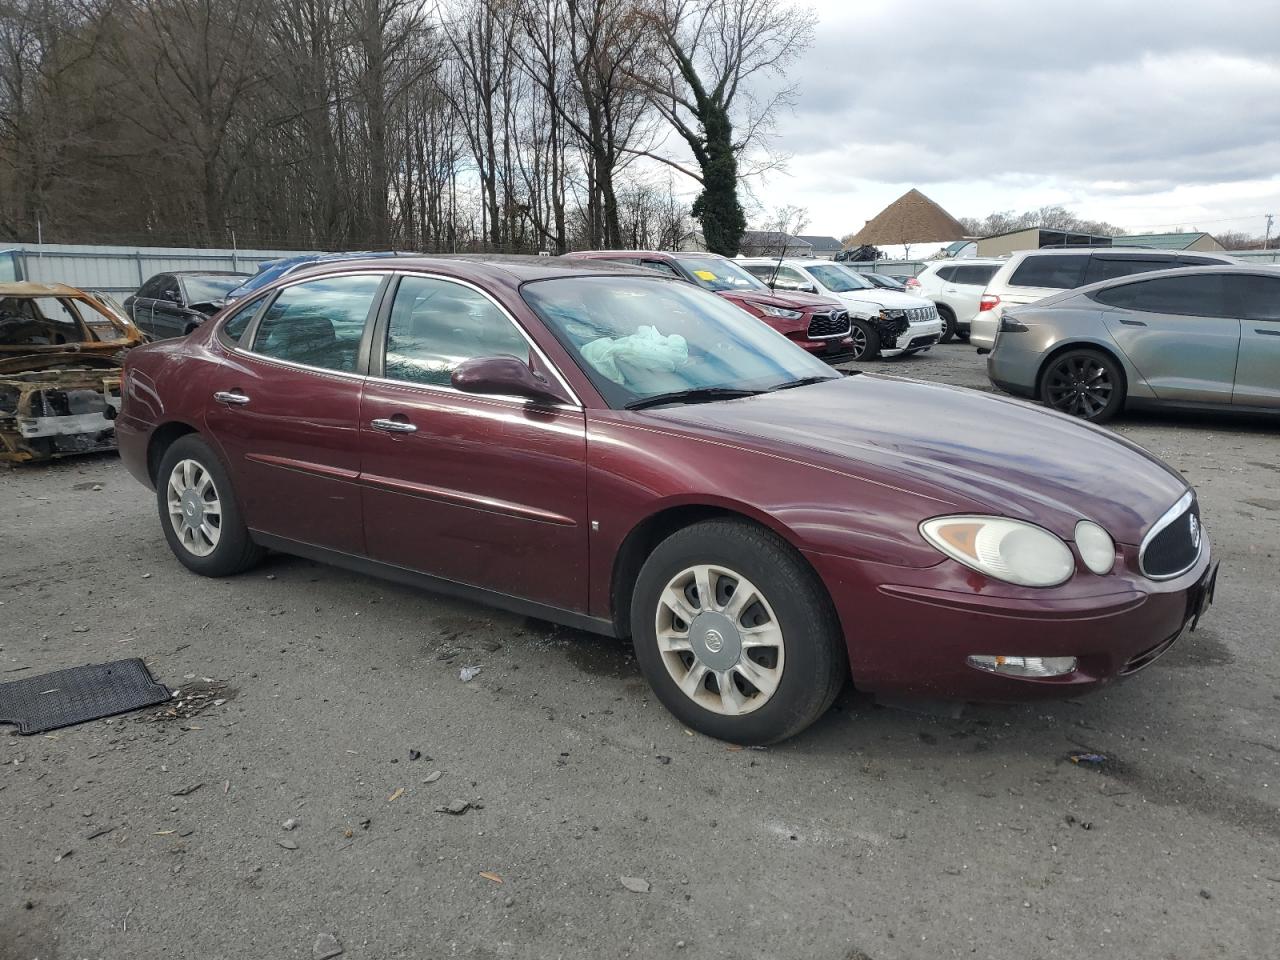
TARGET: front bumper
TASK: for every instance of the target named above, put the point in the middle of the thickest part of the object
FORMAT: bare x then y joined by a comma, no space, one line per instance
909,631
918,336
834,350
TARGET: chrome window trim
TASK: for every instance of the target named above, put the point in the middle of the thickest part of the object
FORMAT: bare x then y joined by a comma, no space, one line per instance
1170,515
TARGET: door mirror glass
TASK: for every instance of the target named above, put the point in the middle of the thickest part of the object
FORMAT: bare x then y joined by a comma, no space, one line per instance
503,376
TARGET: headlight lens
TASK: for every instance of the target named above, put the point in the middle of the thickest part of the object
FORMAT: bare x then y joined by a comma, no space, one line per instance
1008,550
780,313
1097,549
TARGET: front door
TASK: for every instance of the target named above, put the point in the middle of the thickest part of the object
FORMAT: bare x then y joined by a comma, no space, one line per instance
481,490
285,411
1258,369
1182,333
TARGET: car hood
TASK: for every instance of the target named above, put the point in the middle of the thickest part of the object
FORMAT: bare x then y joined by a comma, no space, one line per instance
893,299
787,300
959,450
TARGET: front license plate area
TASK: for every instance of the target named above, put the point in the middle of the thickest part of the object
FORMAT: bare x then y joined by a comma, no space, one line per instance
1201,595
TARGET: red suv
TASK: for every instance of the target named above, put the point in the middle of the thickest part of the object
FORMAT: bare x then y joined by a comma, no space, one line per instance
818,324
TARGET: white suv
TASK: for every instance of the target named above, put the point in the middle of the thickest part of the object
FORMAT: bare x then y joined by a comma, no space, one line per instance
885,323
1035,274
956,288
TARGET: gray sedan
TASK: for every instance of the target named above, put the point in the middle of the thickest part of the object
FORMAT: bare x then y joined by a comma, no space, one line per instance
1205,338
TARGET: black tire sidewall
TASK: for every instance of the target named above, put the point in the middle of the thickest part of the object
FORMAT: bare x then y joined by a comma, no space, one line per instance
1119,384
873,339
814,645
235,550
948,325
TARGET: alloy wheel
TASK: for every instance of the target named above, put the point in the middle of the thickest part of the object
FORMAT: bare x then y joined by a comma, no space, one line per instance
1080,386
859,338
195,509
719,639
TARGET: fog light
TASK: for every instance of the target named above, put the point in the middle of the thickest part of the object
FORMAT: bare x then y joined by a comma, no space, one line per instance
1024,666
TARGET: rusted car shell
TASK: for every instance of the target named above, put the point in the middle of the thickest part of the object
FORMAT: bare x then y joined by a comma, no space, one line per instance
60,398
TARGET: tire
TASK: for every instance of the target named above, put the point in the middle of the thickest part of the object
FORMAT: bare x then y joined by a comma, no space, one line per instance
948,324
1083,383
866,341
194,476
799,662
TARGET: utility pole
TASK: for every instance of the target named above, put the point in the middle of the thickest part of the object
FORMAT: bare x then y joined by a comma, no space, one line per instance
1266,244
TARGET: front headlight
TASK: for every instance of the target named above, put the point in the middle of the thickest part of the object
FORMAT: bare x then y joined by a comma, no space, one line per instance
780,313
1097,549
1008,550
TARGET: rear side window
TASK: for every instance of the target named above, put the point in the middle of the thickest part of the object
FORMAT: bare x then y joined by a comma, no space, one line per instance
1260,297
1197,295
977,275
233,329
947,273
660,266
1111,268
436,324
1057,272
318,323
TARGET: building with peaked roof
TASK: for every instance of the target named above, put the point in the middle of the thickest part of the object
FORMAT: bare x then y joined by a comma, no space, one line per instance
1169,241
773,243
822,246
911,219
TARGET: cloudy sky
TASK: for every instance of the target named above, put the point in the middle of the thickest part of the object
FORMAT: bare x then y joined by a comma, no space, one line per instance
1150,115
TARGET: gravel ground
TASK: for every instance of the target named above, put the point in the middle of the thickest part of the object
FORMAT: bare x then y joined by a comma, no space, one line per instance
883,832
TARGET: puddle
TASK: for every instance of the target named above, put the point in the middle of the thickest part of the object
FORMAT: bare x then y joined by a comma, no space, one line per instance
1199,649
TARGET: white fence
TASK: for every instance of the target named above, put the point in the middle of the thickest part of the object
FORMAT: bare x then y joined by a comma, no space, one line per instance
119,271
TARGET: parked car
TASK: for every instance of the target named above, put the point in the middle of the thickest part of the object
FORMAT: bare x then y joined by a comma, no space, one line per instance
956,288
61,350
1203,338
270,271
892,324
620,452
174,304
821,325
1035,274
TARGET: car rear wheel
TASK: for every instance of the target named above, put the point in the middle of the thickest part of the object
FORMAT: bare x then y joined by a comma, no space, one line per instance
948,324
866,342
1084,383
735,633
198,511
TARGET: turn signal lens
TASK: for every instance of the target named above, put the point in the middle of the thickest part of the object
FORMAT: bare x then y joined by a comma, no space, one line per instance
1010,550
1024,666
1097,549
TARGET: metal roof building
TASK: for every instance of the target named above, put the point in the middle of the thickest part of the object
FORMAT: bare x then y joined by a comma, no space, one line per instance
1169,241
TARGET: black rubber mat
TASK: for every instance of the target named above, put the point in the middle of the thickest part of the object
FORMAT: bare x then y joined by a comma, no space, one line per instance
64,697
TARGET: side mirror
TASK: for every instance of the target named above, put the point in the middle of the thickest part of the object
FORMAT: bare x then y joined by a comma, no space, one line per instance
507,376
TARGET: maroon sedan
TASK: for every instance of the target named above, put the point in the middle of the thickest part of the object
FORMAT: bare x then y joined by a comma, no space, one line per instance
630,454
818,324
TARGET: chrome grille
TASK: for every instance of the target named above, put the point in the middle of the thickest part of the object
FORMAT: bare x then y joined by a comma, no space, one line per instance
922,314
1172,545
824,326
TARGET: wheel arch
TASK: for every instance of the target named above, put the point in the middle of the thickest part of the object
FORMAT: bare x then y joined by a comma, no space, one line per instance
162,438
1097,346
650,531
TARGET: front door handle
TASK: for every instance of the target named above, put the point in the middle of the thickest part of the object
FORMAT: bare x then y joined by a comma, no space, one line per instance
393,426
1266,332
1131,323
232,397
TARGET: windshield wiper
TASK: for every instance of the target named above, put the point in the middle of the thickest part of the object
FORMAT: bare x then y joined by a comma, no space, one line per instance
802,382
695,395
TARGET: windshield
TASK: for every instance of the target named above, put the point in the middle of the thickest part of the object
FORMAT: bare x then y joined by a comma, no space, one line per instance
838,278
636,338
716,273
206,289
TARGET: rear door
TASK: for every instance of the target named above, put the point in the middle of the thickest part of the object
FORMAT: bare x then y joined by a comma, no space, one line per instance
168,311
141,304
1258,369
1043,275
481,490
1182,333
285,410
964,290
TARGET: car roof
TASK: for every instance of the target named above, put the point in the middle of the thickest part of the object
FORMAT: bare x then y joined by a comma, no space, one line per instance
509,268
206,273
966,262
31,288
1123,253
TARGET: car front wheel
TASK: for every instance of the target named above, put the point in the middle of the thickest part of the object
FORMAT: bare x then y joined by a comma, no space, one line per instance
1084,383
198,511
735,633
865,340
948,325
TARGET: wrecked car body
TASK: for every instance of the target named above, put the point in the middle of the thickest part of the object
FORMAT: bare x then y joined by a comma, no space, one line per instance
61,354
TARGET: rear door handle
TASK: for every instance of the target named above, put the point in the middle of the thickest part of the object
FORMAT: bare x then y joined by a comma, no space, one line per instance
1266,332
233,397
1132,323
393,426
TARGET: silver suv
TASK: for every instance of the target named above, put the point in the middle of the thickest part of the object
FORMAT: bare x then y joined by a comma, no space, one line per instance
1035,274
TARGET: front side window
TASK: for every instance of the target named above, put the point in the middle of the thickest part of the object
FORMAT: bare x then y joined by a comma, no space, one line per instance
660,266
435,325
318,323
208,289
1197,295
1260,297
637,338
39,322
1052,271
151,289
784,278
839,279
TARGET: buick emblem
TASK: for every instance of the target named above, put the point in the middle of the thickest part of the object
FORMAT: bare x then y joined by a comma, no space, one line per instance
1194,528
714,641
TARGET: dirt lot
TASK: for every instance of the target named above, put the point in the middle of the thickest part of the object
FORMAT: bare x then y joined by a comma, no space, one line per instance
881,833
